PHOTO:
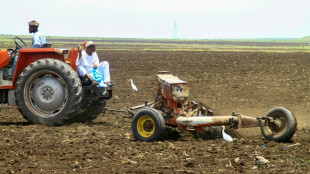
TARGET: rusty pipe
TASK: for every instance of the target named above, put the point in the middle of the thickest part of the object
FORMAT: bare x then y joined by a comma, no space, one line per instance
237,121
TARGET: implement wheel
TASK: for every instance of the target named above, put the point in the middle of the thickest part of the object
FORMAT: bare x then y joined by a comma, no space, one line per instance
148,124
283,126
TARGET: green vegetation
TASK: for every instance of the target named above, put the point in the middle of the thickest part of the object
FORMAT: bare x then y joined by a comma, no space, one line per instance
305,39
209,45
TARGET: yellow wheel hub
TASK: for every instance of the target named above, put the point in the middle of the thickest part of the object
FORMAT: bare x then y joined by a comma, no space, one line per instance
146,126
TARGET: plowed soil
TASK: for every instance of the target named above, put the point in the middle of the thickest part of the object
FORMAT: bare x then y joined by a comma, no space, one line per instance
247,83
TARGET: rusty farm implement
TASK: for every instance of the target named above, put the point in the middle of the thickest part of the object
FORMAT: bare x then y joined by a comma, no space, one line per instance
171,108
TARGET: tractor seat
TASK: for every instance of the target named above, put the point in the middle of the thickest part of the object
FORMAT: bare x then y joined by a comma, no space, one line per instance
46,45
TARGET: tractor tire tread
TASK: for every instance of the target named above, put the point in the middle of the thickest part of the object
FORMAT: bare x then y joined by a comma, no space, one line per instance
74,91
290,127
92,111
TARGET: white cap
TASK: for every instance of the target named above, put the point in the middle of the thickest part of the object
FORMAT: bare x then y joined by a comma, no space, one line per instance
89,43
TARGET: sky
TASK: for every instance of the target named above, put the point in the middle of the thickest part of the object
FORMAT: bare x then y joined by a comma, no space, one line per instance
184,19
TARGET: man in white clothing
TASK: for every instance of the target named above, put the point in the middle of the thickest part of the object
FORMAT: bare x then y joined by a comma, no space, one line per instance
88,60
38,38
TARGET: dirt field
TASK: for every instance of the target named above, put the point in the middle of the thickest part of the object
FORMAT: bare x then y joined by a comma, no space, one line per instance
248,83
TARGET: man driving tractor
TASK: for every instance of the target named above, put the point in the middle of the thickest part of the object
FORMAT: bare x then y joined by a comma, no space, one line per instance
38,38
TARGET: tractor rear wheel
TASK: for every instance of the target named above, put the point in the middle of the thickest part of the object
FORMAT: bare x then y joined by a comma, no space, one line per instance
148,124
90,111
282,127
48,92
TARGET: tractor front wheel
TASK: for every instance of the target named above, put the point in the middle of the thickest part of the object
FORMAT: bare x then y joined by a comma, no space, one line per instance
48,92
148,124
282,125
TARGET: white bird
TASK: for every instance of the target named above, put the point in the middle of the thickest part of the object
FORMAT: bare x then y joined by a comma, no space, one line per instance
226,137
133,86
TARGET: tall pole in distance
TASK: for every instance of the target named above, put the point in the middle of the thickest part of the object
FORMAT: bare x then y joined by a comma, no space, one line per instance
175,31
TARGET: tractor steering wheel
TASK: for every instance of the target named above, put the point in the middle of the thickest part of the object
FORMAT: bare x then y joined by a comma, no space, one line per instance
18,46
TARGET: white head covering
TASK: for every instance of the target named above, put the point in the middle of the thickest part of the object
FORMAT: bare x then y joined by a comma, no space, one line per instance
89,43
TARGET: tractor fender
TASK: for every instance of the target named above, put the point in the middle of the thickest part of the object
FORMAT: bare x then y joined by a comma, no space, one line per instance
4,58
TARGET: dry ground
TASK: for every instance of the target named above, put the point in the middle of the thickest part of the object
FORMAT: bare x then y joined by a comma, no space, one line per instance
248,83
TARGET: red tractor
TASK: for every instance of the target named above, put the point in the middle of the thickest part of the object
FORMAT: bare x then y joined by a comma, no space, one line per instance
45,86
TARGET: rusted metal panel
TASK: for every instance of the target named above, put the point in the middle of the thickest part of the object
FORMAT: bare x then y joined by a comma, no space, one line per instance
180,92
172,93
172,87
170,79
